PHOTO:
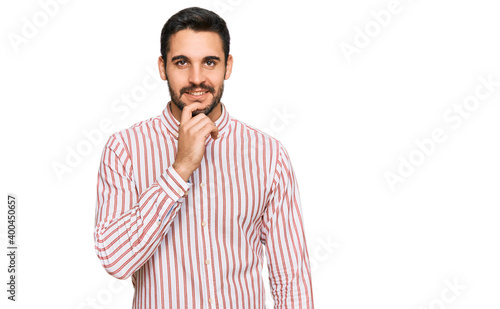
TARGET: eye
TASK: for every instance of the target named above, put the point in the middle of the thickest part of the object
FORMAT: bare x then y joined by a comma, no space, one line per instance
210,63
181,63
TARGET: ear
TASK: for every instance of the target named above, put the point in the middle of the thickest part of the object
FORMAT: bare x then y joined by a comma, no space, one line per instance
161,68
229,67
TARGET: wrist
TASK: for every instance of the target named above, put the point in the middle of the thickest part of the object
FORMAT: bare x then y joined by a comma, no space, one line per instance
184,172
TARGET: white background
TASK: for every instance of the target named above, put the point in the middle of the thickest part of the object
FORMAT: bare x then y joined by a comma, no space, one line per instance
347,124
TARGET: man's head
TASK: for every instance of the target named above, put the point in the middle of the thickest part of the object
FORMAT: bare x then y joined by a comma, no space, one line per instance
195,58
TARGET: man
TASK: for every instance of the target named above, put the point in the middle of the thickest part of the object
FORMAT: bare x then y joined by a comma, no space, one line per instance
187,200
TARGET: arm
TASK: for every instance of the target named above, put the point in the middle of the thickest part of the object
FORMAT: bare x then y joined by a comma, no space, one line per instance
283,235
129,226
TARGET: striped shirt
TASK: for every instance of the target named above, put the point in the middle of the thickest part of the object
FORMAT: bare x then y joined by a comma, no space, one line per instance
200,244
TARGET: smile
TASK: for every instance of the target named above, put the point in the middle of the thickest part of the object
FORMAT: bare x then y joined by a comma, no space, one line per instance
197,93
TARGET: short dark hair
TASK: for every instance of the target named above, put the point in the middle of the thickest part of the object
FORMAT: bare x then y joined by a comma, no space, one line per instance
196,19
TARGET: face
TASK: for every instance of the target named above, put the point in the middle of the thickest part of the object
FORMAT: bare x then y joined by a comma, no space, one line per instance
195,70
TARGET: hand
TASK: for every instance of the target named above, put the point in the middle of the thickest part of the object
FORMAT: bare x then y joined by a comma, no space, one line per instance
193,131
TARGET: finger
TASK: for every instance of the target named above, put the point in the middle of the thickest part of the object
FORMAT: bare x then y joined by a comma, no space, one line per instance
207,126
195,123
215,132
210,129
187,111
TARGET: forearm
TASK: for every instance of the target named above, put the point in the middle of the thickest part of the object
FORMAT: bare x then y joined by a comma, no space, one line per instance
284,237
125,243
129,227
290,278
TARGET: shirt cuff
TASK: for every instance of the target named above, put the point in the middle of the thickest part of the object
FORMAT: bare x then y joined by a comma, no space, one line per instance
172,183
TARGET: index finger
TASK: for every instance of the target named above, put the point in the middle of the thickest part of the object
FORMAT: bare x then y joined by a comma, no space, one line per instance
187,111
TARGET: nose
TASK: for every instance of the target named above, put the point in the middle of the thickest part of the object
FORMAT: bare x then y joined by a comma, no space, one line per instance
196,75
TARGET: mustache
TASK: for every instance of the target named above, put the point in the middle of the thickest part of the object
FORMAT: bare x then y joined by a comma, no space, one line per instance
197,87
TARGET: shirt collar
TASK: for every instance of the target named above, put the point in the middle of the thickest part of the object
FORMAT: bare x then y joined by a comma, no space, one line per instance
172,124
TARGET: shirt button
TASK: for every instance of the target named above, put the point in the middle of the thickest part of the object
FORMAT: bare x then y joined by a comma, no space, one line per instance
203,223
207,262
211,300
179,191
202,185
158,222
176,135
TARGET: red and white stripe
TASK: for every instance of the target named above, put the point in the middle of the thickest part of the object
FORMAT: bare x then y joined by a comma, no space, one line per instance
200,244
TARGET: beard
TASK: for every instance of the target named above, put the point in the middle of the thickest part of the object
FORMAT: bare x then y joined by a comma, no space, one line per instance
176,99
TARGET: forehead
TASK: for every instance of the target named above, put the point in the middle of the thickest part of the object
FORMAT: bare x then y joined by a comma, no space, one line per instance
193,44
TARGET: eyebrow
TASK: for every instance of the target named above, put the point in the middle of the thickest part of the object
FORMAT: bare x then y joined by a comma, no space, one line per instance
204,59
179,57
211,58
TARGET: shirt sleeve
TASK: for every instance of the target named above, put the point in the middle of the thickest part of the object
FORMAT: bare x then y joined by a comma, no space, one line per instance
283,235
130,225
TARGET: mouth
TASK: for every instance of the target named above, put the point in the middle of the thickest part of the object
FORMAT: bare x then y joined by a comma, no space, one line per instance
196,94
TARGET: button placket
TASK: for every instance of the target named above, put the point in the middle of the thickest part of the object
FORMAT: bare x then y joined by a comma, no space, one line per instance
205,233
